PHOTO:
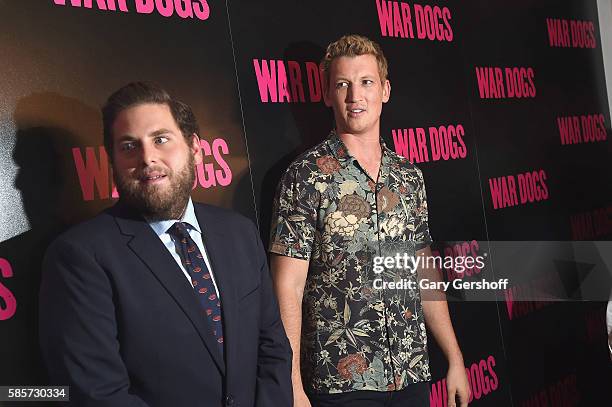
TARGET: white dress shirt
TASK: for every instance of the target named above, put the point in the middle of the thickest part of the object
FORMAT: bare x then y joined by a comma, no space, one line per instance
161,229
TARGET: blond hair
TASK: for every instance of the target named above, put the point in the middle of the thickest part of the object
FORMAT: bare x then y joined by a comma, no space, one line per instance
351,46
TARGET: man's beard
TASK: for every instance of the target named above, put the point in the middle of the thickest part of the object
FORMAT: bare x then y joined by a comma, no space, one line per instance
156,202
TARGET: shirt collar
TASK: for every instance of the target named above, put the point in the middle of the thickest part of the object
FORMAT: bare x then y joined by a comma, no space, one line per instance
160,227
341,153
338,149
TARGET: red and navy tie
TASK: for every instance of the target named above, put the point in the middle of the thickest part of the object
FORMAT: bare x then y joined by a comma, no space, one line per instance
201,280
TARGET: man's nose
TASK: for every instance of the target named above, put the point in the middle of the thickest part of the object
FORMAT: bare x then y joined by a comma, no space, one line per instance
354,93
148,154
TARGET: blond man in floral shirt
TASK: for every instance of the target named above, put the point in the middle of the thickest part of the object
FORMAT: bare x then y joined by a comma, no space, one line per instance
340,205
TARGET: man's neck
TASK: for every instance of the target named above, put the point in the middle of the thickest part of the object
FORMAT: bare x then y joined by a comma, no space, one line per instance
167,217
366,150
364,147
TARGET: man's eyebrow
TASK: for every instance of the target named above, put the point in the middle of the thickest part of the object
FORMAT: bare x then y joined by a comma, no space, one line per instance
129,137
159,132
126,137
364,76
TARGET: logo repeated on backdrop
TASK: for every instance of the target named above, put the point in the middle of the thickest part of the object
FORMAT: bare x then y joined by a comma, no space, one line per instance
563,392
198,9
94,171
402,20
445,142
495,82
570,33
282,79
586,128
288,81
8,302
516,297
591,225
482,379
531,188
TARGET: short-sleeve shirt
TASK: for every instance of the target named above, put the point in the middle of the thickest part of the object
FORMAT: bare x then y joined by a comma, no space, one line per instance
356,335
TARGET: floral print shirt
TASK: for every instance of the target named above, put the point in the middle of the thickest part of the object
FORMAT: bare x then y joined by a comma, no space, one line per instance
355,336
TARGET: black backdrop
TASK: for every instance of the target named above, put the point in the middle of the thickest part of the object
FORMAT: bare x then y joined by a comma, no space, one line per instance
60,62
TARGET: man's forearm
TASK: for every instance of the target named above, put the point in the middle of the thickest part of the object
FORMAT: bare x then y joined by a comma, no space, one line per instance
290,304
438,321
436,313
289,276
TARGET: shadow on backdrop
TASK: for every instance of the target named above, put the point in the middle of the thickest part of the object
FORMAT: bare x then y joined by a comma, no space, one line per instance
48,127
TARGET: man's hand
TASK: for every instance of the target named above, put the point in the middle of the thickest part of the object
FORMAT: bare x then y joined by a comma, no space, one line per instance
457,385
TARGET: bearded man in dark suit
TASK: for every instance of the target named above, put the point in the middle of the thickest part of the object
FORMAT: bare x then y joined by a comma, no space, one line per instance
160,301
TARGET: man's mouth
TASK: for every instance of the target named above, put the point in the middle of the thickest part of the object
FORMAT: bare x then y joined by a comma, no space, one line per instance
151,178
355,112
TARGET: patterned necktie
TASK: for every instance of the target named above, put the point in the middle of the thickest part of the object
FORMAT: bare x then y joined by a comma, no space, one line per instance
202,283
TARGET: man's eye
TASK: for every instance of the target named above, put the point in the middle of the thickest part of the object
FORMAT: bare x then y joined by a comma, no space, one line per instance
128,146
161,140
368,82
340,85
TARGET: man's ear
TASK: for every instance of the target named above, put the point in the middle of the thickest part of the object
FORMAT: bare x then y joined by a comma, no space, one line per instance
196,149
386,91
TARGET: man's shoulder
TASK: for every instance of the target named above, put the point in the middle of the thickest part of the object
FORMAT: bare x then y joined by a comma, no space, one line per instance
91,236
91,230
310,156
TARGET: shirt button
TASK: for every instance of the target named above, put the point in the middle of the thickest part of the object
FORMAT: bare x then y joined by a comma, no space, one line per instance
229,400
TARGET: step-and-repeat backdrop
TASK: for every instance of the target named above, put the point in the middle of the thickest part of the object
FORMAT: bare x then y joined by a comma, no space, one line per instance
501,104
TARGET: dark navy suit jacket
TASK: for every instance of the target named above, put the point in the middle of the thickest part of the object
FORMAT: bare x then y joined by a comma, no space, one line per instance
120,324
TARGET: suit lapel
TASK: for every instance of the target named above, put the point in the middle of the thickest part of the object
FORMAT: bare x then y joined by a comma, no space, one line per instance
146,245
221,255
